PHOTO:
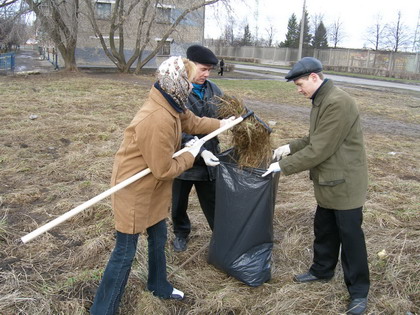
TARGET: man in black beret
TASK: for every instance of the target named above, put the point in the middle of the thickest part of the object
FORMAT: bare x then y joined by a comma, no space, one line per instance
202,103
334,153
202,55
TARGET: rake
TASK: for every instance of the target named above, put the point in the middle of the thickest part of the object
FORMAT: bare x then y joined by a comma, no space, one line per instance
64,217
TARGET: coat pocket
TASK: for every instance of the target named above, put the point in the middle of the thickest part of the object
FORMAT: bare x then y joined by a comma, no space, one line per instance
331,178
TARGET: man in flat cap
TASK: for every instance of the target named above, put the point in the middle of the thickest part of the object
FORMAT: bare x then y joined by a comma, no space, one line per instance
334,154
201,102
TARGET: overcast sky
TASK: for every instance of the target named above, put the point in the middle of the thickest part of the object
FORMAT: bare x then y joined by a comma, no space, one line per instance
356,16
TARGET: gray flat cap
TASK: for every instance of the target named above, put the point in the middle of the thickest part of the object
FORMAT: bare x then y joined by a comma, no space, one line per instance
304,66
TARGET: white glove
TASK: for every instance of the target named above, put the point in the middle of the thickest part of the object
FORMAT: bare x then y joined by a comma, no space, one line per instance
224,122
190,142
274,168
195,148
281,151
209,158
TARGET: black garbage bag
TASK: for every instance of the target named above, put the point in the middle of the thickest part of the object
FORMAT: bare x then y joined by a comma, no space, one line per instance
242,239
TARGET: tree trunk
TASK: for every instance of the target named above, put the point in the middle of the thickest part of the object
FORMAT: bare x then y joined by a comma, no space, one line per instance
62,32
69,58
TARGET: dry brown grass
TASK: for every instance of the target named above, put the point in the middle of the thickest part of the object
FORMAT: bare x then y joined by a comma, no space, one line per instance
251,138
63,158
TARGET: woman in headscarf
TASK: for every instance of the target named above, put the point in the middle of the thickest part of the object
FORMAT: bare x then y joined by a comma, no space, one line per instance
150,141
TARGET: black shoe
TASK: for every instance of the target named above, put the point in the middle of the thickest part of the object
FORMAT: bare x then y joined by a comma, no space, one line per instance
357,306
307,277
180,244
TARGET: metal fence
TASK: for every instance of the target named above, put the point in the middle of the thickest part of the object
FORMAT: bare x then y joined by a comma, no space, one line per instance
50,54
7,62
363,61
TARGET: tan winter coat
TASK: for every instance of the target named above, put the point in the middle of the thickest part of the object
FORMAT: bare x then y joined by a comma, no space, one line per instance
150,140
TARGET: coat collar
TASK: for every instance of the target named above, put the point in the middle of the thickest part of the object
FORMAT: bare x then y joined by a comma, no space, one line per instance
157,97
322,92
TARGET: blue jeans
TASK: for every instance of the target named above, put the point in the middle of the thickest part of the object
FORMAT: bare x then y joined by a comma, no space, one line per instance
111,288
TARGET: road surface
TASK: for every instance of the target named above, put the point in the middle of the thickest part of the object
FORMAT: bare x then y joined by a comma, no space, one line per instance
241,68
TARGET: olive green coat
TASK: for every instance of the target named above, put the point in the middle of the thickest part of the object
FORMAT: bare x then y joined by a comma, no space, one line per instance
334,151
150,140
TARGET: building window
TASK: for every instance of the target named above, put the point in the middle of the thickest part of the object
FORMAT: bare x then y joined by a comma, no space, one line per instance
165,50
103,10
163,13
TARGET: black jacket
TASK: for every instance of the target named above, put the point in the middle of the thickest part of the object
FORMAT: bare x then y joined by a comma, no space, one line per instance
205,107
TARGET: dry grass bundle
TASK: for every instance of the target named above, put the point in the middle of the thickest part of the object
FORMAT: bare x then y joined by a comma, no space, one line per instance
251,138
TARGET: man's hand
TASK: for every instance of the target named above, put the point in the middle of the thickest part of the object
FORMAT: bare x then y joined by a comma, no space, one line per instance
281,151
195,148
224,122
209,158
274,168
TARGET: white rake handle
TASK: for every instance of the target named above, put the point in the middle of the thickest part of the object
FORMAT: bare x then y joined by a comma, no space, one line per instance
44,228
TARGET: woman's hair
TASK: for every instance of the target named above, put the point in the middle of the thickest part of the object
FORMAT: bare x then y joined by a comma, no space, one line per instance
191,68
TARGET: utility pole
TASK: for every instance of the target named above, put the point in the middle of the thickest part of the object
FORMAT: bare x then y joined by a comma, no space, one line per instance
416,42
257,17
302,28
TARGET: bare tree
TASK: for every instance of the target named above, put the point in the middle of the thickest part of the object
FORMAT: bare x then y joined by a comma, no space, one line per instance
7,3
397,35
146,16
228,33
222,14
270,30
59,20
375,33
14,30
336,32
316,20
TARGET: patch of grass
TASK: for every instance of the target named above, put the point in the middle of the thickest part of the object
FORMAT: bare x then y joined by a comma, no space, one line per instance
273,91
3,223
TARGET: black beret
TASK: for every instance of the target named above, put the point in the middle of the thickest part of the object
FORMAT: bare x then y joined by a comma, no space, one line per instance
201,54
304,66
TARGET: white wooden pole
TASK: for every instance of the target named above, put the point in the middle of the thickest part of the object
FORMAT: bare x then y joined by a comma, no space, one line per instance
128,181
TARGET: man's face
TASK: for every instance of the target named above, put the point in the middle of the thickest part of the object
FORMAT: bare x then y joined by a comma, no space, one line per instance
307,86
203,72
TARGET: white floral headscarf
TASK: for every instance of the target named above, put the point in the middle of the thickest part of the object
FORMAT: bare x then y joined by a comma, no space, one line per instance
173,79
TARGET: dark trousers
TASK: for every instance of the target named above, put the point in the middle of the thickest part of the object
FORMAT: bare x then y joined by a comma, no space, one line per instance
206,191
335,228
111,288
